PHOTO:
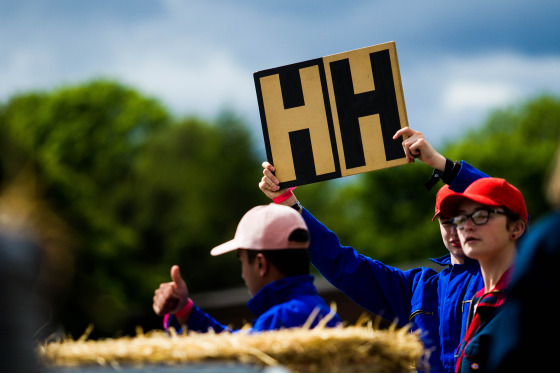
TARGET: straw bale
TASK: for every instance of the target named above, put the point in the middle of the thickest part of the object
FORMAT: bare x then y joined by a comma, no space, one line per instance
359,348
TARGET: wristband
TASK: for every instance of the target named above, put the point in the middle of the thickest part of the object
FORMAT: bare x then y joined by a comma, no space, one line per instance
285,196
450,170
186,309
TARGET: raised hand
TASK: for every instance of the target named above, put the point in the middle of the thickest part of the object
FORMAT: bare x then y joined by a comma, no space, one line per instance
172,296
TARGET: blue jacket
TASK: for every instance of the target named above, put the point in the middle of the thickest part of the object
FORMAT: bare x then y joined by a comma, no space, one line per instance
280,304
436,303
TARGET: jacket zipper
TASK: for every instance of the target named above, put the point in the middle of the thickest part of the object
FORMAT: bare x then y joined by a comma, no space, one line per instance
419,312
463,304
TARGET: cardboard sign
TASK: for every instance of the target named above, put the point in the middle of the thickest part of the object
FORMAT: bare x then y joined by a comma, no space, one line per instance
333,116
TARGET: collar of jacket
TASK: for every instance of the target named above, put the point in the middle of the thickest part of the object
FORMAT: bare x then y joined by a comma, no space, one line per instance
281,291
496,296
446,260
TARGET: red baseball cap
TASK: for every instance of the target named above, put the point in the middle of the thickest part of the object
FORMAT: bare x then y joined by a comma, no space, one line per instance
487,191
442,193
266,227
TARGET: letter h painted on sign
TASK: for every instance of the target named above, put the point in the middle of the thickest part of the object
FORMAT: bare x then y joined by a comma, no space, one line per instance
333,116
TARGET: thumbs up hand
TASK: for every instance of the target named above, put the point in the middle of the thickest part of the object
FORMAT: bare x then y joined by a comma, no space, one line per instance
172,296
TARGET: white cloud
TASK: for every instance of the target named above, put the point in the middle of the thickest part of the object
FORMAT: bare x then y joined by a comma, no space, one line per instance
481,95
447,96
198,58
201,85
488,81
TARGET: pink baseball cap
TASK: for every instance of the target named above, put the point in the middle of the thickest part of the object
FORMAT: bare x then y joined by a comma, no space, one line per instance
266,227
487,191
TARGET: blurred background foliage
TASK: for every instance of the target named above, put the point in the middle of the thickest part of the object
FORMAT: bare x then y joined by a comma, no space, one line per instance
140,191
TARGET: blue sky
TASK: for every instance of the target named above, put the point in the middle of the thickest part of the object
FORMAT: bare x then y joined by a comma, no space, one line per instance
458,59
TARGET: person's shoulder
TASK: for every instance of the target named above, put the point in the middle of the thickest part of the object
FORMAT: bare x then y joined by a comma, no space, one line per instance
543,234
443,260
548,222
423,274
291,313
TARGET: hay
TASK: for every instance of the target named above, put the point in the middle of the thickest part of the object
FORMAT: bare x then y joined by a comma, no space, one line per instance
359,348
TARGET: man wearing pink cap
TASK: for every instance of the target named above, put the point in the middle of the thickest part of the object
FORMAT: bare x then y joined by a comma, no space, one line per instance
271,242
490,216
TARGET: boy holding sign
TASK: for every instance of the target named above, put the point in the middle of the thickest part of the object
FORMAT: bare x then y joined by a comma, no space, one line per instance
436,303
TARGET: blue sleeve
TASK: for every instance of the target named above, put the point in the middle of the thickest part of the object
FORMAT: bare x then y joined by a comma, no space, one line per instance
293,313
381,289
467,174
198,321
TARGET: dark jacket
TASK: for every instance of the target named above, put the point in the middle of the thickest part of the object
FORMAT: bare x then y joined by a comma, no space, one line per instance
525,335
474,352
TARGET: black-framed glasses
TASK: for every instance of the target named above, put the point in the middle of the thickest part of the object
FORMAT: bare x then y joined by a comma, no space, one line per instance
479,217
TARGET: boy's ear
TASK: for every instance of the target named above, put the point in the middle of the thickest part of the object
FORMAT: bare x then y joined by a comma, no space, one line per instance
518,229
263,264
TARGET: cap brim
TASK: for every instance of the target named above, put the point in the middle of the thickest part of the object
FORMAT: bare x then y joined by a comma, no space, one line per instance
230,246
450,204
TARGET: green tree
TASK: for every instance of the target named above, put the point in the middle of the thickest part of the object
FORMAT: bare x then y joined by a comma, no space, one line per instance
197,182
81,142
140,190
517,143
